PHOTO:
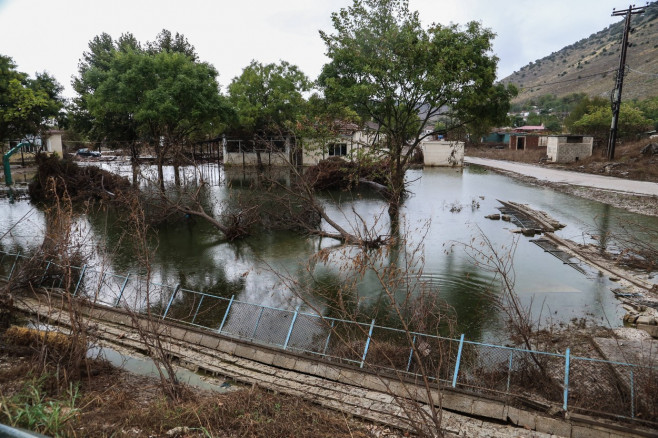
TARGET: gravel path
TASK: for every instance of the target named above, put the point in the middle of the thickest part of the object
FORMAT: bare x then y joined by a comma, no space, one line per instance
568,177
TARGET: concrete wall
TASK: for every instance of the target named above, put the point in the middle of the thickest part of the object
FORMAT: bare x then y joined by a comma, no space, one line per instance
313,153
443,153
271,365
54,144
569,148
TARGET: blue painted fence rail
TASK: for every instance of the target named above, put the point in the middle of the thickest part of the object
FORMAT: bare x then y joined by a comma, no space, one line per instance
464,363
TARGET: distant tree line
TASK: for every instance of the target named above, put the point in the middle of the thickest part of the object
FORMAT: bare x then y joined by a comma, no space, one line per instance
578,113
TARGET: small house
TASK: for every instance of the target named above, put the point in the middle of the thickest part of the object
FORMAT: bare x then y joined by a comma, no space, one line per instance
569,148
519,141
350,139
494,138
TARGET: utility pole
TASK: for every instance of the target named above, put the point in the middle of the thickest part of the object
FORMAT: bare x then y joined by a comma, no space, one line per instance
619,82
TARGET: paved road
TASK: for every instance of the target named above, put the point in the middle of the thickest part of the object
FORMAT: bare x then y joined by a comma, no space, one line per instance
568,177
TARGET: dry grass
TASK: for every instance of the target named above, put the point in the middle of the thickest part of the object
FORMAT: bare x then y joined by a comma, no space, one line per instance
110,402
629,163
37,339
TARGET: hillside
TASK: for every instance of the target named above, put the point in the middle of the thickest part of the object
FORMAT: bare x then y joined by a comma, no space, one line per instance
589,65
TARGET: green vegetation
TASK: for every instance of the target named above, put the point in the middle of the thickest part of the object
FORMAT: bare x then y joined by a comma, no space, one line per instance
387,67
579,114
32,410
161,94
267,98
27,106
597,122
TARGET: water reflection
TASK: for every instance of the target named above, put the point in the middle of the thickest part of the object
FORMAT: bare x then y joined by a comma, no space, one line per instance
446,206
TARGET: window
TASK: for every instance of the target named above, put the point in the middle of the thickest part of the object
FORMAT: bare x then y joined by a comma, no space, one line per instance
574,139
337,149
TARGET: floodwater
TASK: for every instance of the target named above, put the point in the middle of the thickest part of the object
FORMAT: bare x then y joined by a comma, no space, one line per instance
445,214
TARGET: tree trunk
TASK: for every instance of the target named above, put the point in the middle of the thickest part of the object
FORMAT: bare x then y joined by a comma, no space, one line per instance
134,162
395,194
160,174
177,175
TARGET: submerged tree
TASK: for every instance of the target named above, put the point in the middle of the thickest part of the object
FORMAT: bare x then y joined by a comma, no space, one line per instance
393,71
161,96
267,100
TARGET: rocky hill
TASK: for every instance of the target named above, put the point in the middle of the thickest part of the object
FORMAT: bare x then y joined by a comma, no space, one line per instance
589,65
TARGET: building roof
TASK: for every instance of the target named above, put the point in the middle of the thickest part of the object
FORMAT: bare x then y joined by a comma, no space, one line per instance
527,128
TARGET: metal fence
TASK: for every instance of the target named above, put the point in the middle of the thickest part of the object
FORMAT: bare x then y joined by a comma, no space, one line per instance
588,385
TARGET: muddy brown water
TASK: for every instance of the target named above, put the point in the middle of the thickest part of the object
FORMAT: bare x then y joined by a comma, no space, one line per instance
446,207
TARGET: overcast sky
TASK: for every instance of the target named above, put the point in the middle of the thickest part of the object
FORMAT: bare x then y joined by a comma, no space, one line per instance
48,35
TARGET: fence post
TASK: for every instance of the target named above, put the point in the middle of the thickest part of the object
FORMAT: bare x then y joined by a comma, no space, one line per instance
365,350
632,396
567,358
197,308
292,323
230,303
125,282
509,369
260,315
171,300
411,352
45,271
82,274
326,344
459,358
13,266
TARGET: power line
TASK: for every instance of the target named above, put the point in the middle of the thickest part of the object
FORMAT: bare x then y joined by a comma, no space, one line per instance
642,72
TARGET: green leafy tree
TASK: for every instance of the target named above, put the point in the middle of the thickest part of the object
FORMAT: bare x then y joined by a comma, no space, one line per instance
164,98
268,97
27,106
115,127
267,100
649,108
584,106
391,70
597,122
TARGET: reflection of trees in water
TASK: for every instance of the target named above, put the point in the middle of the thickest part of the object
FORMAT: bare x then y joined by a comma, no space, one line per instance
205,310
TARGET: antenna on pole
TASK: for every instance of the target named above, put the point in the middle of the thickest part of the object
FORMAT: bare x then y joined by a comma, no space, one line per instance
619,80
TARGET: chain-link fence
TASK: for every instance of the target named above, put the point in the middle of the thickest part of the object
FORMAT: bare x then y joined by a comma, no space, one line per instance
594,386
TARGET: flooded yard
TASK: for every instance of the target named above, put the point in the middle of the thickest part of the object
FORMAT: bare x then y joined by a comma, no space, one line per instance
445,212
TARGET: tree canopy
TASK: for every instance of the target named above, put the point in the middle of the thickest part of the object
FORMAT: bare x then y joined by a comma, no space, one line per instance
127,92
392,71
597,122
161,95
267,97
27,106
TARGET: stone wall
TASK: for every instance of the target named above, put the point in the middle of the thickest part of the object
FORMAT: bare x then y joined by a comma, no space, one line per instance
567,149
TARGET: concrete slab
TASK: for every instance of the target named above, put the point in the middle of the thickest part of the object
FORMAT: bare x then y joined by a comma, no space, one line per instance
634,351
